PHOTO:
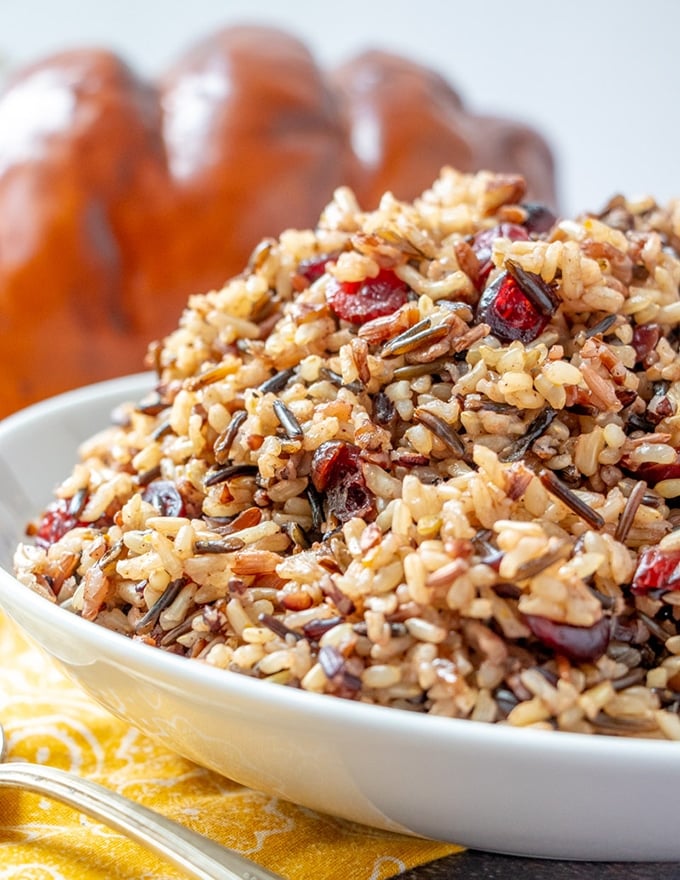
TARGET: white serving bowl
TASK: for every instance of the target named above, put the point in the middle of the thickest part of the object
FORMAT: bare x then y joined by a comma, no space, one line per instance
492,787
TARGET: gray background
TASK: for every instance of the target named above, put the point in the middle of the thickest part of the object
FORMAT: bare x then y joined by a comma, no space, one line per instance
600,79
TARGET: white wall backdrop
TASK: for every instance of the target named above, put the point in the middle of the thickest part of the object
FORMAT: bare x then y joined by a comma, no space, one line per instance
600,78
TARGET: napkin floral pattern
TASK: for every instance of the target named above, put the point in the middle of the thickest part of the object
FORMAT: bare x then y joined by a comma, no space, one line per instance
48,719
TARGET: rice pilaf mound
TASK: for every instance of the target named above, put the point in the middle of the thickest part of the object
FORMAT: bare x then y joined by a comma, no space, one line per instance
425,457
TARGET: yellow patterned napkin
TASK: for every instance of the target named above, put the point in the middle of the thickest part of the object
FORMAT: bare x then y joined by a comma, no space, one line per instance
50,720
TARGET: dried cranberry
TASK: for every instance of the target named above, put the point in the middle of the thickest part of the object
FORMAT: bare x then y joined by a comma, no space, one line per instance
657,569
580,643
540,218
165,497
361,301
337,473
329,460
645,339
653,473
56,521
509,312
482,245
351,497
314,268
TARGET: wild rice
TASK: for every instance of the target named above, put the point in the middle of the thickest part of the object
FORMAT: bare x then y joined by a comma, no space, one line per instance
377,467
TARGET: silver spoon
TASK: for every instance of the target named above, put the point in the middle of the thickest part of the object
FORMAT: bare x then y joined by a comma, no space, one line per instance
197,855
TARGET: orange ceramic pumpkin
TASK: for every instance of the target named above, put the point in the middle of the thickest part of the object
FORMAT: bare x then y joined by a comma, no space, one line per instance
120,197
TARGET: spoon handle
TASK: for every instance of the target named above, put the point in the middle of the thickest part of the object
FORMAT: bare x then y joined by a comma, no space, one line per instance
197,855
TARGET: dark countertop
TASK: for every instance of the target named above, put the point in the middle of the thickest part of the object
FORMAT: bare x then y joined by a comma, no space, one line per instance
473,865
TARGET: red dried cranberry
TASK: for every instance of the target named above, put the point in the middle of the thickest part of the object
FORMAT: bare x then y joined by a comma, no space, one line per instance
336,472
361,301
165,497
329,460
645,339
482,245
55,522
657,570
509,312
351,497
580,643
314,268
653,473
540,218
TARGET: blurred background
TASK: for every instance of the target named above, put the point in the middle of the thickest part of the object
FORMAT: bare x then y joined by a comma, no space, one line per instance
597,77
109,219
